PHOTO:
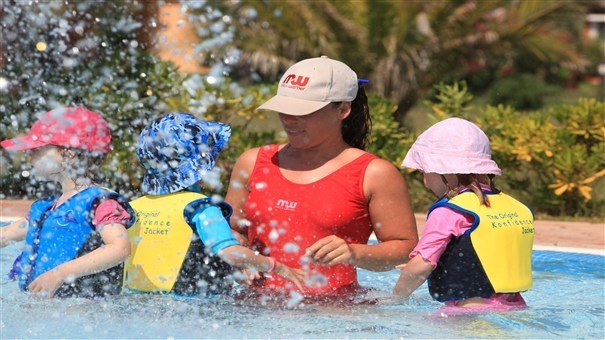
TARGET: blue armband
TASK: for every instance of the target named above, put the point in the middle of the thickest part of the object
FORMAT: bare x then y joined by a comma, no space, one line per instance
213,229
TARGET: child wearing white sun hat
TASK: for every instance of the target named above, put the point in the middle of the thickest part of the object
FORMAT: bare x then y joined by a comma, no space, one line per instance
476,246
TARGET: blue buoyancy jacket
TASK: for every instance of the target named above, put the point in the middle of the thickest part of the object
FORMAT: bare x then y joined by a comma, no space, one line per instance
63,234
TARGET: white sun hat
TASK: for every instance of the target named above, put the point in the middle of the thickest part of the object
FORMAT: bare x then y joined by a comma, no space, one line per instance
311,84
452,146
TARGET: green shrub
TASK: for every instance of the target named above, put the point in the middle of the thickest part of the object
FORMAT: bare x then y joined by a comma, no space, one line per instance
450,100
523,92
552,159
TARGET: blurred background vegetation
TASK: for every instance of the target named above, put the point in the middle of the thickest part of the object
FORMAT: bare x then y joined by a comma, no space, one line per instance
530,73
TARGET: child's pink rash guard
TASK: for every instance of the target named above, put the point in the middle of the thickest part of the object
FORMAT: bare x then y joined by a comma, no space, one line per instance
443,224
109,212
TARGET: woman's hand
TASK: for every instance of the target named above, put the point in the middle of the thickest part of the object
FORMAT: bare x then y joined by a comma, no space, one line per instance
329,251
47,284
296,276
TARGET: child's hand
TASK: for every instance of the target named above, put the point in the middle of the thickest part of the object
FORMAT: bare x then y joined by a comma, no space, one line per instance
246,276
297,276
47,284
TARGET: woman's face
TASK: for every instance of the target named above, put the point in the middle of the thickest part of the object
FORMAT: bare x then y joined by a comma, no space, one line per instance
47,162
315,128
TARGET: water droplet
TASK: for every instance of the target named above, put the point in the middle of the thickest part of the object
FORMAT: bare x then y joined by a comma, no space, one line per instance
295,299
41,46
291,247
3,84
273,235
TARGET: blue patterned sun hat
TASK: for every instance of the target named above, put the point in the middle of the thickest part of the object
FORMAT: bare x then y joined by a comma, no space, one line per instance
177,149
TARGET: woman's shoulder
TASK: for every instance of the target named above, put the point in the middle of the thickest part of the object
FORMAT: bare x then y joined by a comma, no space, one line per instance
249,155
380,167
252,154
382,176
376,166
247,159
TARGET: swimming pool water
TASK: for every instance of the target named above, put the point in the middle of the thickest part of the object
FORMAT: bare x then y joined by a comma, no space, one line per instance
567,300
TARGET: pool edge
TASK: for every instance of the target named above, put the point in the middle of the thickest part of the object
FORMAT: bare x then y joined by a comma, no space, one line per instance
572,250
592,251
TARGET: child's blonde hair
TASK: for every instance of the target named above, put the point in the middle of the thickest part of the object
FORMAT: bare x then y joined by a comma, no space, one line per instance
473,182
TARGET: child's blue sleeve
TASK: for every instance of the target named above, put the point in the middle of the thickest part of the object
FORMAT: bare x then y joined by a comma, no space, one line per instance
213,229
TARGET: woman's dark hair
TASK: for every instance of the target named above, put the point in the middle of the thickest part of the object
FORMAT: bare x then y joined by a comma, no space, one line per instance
357,126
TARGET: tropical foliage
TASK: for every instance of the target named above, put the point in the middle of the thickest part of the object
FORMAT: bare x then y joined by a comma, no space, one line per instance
405,47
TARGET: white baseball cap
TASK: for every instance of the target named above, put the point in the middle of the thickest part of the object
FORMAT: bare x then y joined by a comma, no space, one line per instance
311,84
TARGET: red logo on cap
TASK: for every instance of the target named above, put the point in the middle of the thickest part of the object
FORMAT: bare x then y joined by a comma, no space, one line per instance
294,82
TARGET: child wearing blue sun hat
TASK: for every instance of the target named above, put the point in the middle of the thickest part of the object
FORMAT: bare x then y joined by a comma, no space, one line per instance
181,241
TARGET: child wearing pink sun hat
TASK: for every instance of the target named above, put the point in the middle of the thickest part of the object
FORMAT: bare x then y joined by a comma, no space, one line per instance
476,245
75,241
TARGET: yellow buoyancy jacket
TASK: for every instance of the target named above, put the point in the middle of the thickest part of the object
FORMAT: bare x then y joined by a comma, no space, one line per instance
493,256
167,254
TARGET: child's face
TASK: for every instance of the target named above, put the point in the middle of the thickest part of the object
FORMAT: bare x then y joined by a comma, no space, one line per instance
435,183
47,162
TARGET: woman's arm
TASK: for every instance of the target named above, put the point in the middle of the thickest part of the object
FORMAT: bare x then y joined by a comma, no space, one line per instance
392,219
412,276
237,194
115,251
15,231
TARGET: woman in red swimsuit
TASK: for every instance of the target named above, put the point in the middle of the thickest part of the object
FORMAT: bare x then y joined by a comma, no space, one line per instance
313,202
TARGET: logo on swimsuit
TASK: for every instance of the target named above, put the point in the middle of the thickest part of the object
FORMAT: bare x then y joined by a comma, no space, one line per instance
286,205
293,82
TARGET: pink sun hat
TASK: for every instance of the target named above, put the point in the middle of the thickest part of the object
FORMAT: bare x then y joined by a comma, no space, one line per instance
452,146
73,127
